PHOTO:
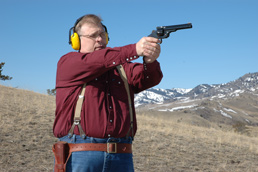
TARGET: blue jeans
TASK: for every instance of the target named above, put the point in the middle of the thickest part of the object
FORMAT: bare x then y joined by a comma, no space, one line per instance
97,161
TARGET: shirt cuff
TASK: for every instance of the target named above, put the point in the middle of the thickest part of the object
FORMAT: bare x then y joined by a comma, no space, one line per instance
130,53
150,66
123,55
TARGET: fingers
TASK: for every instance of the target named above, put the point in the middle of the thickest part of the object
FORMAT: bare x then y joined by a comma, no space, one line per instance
148,46
152,40
151,49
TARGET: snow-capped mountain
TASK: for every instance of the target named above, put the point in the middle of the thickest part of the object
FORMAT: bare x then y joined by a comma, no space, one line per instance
158,96
248,82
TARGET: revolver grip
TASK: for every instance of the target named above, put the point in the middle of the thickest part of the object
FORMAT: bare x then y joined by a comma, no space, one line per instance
154,34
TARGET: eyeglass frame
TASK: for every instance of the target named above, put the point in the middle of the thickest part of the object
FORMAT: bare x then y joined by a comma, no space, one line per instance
94,37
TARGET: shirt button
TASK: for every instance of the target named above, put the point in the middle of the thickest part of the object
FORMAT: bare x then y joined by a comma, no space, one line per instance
135,57
114,62
111,120
110,107
127,59
119,82
96,79
109,135
147,77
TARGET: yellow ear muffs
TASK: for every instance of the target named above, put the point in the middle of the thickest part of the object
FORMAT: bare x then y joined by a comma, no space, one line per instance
74,38
75,41
107,38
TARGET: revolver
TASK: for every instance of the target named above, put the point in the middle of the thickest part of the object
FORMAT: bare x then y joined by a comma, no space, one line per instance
162,32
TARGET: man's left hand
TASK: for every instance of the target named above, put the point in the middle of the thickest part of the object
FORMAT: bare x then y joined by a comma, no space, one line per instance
150,48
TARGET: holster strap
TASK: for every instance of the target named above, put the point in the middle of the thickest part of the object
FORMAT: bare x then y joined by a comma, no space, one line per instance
105,147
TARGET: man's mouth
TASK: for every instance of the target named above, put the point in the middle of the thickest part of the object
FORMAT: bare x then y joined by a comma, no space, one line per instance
99,48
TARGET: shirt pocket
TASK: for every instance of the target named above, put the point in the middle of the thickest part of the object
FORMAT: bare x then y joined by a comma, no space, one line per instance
96,88
117,89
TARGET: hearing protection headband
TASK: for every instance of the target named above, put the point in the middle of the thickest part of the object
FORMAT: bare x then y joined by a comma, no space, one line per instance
74,39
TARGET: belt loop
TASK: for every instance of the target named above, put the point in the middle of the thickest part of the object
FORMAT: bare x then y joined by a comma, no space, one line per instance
70,135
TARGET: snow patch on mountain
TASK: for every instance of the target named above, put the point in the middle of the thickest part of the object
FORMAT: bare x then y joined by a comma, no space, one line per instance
158,96
178,108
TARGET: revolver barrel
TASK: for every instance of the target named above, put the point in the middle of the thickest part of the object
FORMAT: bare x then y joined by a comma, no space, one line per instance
164,31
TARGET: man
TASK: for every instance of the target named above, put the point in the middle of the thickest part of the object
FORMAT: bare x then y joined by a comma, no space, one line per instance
105,115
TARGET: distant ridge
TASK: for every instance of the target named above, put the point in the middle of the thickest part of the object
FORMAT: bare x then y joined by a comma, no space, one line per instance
248,82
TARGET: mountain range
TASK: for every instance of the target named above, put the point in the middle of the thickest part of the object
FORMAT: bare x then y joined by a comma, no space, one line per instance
232,102
248,82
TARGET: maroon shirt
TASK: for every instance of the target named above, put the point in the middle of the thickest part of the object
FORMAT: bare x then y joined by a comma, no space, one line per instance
105,111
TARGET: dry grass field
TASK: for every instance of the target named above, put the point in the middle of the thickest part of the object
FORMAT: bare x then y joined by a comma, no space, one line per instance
161,144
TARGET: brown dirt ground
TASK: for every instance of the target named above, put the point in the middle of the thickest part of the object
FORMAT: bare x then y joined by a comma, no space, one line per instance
160,145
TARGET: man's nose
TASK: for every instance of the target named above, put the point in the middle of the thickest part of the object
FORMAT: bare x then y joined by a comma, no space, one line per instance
99,38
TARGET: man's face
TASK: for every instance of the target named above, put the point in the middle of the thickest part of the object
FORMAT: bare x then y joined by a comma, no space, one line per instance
92,38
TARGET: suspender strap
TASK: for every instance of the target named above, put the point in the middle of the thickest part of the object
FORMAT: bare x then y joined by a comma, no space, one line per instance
78,108
77,115
124,78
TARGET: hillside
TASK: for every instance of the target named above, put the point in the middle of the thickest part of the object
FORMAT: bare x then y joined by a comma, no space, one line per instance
164,143
233,103
25,130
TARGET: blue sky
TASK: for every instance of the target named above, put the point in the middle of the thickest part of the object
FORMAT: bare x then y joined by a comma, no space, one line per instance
221,46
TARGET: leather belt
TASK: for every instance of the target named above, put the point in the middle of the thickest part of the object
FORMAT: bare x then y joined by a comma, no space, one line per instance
105,147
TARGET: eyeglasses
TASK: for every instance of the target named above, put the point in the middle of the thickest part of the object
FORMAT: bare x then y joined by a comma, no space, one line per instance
95,35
